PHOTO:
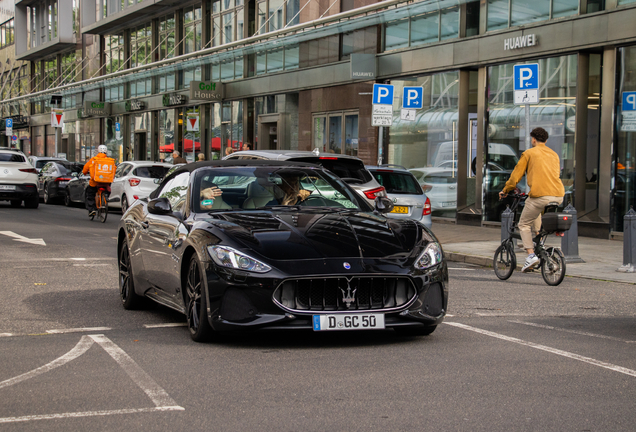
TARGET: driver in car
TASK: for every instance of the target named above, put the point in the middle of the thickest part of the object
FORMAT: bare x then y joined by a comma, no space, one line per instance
291,187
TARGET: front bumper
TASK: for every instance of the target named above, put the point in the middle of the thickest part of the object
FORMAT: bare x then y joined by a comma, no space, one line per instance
242,302
21,191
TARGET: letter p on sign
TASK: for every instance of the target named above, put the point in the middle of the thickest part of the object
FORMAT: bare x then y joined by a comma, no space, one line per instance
382,94
412,97
629,101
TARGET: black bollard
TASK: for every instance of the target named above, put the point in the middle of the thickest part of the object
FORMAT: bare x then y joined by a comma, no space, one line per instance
570,239
629,242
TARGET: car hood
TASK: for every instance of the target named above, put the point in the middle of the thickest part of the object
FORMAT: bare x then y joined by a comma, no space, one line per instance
306,234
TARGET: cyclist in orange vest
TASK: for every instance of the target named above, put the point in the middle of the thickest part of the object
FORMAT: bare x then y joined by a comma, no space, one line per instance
94,186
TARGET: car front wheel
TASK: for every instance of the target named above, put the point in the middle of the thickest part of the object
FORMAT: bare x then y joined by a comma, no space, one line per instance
196,309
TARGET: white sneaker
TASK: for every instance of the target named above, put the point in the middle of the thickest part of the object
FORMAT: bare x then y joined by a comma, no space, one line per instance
530,263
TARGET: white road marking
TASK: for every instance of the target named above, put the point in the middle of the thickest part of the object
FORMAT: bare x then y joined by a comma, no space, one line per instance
91,265
18,237
161,399
78,330
567,354
82,346
88,414
151,326
158,395
461,268
6,334
571,331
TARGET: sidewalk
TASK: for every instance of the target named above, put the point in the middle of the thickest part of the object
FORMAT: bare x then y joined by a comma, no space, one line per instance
477,245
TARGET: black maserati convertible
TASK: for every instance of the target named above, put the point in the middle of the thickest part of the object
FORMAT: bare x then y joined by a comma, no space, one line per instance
247,245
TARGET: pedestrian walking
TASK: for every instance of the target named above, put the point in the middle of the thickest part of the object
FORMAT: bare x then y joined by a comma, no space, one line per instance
543,169
177,159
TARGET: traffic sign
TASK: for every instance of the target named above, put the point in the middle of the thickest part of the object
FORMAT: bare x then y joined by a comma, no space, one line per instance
383,94
117,127
523,97
192,124
8,127
14,138
57,117
526,76
8,123
412,97
629,101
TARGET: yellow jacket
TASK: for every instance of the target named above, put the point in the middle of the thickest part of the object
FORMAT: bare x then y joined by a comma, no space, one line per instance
87,168
543,168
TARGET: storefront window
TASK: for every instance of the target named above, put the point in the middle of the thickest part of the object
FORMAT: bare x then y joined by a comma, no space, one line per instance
112,139
506,126
624,170
166,133
428,145
336,132
140,144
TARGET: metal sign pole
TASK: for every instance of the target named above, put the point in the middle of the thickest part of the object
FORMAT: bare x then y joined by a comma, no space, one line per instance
528,145
380,144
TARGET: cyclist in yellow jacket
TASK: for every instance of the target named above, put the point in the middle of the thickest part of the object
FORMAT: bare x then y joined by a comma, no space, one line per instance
94,186
543,168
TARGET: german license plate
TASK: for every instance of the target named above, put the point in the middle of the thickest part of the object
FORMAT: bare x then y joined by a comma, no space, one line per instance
348,322
400,209
63,183
7,187
449,204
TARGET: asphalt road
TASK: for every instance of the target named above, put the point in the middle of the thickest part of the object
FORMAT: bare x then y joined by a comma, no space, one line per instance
511,356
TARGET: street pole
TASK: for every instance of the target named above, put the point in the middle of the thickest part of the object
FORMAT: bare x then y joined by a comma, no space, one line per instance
380,144
528,145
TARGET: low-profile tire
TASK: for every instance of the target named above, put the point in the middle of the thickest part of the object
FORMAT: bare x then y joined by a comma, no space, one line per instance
129,298
196,305
504,261
124,204
32,202
16,203
48,199
415,331
67,198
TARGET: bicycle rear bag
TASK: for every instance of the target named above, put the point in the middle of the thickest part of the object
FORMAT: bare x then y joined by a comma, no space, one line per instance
553,222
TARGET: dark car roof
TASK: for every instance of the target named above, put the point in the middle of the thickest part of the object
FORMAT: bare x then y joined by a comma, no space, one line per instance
239,163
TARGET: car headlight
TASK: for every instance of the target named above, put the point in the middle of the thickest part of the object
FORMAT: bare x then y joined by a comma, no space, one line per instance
431,256
231,258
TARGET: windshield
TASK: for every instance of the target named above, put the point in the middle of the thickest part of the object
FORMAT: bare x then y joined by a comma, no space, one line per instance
41,162
397,182
351,170
11,157
154,172
67,168
268,187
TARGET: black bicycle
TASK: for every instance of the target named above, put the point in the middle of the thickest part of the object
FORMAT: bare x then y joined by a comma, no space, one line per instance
552,262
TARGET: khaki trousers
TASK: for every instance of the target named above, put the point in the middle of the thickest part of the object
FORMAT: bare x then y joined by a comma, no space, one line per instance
530,220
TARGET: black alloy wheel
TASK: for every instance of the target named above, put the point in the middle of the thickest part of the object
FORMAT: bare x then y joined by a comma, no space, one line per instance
196,309
129,299
505,261
67,198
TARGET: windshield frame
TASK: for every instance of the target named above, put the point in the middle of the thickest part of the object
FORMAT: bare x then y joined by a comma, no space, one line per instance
335,184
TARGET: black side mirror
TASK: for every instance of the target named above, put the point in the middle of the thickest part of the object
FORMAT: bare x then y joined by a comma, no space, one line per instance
159,206
383,205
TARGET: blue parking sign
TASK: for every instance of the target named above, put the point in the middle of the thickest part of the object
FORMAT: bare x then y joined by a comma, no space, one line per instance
117,127
412,97
8,123
629,101
382,94
526,76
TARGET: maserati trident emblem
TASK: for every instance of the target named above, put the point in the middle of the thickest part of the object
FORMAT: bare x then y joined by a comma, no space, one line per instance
346,265
348,296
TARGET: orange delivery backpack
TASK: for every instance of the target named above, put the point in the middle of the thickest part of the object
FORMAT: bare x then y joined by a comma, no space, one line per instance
103,170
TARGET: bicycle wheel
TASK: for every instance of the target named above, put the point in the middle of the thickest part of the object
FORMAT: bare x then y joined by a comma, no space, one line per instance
103,208
553,269
505,261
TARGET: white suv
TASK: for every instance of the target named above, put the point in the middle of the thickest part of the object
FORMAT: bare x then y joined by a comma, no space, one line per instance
18,179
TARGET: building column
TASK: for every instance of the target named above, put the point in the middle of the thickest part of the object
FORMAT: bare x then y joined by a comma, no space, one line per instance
481,136
608,105
462,138
580,133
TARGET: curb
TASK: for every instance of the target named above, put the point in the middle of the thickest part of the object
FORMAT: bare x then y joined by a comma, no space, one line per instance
487,262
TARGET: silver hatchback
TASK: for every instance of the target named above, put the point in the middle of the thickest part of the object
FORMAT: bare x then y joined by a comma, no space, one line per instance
409,200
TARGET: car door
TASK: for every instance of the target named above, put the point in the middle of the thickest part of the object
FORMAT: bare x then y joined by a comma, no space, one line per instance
162,238
42,177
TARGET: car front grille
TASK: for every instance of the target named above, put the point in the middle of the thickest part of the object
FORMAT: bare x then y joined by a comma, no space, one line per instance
340,294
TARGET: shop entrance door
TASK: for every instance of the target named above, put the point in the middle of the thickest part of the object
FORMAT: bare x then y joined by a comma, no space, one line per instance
139,151
268,132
